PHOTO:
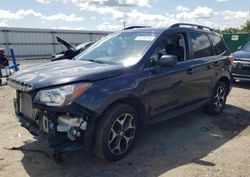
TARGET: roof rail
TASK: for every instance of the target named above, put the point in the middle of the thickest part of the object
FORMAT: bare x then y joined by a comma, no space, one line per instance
191,25
132,27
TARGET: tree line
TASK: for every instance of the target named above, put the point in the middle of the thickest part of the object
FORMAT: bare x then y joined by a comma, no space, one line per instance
244,28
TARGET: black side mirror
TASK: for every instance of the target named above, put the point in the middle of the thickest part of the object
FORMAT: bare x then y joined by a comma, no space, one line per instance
240,47
168,60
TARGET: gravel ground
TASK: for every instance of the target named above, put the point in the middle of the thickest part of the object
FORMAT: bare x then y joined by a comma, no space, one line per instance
195,144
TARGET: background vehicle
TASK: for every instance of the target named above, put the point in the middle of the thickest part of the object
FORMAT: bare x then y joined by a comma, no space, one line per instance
3,63
129,79
71,51
5,69
241,67
3,59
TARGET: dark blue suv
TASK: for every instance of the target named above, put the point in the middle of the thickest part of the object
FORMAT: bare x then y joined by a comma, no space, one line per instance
241,66
129,79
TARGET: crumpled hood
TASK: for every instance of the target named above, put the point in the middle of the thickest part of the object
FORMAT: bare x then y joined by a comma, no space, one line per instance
62,72
242,55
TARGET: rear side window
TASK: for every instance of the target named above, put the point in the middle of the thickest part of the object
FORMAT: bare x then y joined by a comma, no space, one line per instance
200,45
218,44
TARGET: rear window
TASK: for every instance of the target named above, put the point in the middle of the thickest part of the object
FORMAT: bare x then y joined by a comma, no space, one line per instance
218,44
200,45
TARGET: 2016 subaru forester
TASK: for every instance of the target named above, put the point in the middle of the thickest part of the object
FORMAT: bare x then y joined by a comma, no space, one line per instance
128,79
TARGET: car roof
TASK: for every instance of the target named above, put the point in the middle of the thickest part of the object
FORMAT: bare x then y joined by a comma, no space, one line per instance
149,29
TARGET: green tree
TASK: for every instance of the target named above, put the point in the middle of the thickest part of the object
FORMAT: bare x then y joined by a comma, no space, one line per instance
245,27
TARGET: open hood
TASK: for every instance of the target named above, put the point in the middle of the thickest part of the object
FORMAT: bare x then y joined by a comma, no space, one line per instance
67,45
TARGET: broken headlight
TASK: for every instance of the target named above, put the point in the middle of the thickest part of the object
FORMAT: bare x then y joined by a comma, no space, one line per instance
61,96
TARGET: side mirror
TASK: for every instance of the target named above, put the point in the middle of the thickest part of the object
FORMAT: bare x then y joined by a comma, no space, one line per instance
240,47
168,60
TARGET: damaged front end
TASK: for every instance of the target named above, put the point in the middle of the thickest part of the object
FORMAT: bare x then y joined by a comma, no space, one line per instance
52,114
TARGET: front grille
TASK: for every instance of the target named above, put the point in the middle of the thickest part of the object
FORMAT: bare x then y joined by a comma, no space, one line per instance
241,68
19,85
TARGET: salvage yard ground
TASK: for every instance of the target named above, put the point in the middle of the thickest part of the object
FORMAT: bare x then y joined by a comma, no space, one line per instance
194,144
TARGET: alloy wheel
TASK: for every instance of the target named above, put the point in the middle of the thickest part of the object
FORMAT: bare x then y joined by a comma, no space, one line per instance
219,98
122,134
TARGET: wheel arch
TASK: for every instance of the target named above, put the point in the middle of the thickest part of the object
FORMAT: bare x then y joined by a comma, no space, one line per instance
136,103
226,81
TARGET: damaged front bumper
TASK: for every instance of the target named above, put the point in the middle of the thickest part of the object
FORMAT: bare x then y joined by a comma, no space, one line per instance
66,128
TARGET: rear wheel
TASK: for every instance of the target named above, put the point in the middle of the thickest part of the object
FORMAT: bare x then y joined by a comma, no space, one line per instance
116,132
218,100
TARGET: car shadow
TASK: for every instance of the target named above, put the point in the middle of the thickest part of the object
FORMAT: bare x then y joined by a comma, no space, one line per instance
160,148
242,84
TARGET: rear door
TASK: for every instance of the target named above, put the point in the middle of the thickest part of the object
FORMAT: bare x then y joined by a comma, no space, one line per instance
202,55
206,51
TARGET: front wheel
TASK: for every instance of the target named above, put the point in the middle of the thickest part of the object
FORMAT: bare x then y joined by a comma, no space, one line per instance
116,132
218,100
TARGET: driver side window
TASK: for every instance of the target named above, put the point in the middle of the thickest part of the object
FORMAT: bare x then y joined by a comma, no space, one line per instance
174,44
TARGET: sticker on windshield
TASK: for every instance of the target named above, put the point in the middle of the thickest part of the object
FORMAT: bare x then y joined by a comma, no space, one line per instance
144,38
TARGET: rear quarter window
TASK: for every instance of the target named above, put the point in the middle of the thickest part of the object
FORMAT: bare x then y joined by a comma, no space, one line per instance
201,46
218,44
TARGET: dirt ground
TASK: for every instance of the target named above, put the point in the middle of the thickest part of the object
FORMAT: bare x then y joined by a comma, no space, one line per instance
195,144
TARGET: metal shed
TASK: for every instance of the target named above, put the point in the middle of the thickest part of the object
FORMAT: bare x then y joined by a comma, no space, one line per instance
41,43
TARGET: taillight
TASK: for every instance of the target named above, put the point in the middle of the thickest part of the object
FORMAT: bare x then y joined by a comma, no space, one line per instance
231,58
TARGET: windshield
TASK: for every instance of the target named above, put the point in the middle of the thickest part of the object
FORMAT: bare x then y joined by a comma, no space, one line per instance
247,47
124,48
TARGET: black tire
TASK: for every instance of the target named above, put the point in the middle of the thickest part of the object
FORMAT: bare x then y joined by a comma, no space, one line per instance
110,132
1,82
218,100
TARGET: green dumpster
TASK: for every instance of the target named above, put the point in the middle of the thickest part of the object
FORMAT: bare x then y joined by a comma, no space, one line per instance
235,40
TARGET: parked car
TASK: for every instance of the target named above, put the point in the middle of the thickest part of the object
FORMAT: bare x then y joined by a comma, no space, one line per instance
128,79
71,51
241,66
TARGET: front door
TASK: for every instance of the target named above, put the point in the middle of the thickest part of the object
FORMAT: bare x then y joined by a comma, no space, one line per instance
170,87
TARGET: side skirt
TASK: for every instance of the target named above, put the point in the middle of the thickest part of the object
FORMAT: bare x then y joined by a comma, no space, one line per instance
177,112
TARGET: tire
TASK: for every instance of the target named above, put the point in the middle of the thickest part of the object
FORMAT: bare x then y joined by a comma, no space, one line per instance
218,100
116,132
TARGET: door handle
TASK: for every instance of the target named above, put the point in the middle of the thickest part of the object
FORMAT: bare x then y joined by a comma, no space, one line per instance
190,71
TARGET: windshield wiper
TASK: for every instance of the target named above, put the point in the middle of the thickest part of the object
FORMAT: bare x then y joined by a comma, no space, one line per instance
95,61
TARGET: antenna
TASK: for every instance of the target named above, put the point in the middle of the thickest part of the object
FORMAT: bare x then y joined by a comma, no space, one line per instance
124,24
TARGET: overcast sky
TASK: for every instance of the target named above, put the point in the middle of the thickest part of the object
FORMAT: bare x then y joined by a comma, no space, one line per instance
110,14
